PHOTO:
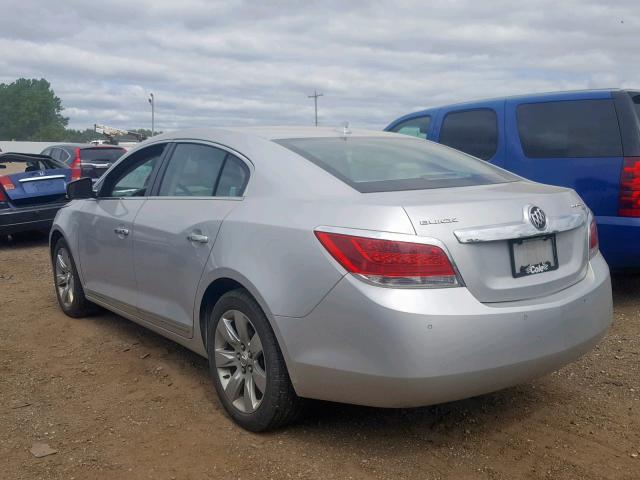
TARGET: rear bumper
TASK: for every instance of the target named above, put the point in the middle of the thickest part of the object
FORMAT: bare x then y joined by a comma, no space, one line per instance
620,242
384,347
39,217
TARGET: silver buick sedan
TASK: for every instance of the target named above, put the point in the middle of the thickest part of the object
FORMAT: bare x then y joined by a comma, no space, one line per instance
353,266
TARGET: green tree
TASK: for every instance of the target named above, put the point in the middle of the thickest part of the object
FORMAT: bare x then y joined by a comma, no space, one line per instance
30,110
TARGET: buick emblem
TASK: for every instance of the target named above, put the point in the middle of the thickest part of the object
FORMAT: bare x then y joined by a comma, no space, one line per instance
537,218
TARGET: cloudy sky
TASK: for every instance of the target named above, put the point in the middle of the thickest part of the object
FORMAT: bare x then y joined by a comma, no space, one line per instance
240,63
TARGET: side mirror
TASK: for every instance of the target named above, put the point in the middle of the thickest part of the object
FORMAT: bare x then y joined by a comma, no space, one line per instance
78,189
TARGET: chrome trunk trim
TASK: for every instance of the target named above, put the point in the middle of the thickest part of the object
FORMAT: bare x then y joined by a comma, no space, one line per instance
37,179
522,229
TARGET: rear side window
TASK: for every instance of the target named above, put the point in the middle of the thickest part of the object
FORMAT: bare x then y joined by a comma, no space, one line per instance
233,178
416,127
472,131
203,171
375,164
575,128
192,171
635,98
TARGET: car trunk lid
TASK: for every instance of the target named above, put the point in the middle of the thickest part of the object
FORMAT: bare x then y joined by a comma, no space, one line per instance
39,184
479,224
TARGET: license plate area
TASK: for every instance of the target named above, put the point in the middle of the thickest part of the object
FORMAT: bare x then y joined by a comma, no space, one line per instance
534,255
44,186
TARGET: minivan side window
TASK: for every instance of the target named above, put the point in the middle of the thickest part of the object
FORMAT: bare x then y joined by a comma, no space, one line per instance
569,128
471,131
416,127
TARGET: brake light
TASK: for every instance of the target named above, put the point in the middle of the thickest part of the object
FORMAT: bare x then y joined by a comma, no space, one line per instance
3,196
76,169
629,200
391,262
593,238
6,183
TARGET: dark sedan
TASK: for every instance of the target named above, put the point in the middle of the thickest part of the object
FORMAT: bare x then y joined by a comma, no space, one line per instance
85,160
32,190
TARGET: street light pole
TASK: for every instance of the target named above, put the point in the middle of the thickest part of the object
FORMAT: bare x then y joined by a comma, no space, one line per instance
315,102
152,101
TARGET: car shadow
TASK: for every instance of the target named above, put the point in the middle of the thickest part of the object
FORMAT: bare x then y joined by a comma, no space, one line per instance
626,289
24,240
327,422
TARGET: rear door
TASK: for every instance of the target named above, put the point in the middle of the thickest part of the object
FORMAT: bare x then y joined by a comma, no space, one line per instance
569,142
106,224
176,228
477,130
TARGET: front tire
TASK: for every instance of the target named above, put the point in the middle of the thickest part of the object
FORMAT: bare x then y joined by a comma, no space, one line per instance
247,366
67,283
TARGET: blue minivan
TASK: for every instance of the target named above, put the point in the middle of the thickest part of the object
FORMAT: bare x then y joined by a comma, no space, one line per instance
586,140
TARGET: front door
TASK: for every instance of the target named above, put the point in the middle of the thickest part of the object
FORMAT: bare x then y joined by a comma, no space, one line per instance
105,248
176,228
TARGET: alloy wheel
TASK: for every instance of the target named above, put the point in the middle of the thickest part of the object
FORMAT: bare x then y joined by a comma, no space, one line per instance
64,277
239,361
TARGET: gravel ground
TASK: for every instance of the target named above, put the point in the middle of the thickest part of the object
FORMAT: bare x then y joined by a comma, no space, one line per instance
117,401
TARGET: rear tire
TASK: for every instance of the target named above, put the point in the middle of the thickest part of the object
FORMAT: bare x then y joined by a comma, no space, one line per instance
67,284
247,366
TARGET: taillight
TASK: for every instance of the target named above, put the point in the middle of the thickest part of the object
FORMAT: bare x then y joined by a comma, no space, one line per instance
390,262
7,184
629,202
76,169
593,238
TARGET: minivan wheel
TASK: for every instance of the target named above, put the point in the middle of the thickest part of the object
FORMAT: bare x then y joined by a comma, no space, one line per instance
67,283
247,366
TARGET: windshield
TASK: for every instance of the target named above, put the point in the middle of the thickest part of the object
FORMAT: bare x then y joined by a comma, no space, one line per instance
375,164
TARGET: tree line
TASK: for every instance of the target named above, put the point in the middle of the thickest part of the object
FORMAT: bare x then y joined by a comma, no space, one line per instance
31,111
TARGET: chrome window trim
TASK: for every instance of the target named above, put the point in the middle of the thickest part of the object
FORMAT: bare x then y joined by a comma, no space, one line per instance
522,229
396,237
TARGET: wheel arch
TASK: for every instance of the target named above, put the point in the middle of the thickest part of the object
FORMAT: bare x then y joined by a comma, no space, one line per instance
212,290
55,235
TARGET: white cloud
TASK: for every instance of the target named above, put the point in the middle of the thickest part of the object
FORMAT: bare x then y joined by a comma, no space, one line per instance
236,62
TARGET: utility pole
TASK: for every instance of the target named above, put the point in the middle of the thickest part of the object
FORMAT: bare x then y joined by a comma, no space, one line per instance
315,102
152,102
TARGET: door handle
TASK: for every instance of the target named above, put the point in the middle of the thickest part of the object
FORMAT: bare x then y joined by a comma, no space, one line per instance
196,237
121,231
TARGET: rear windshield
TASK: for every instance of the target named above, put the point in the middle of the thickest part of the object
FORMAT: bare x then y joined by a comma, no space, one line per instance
105,154
374,164
10,163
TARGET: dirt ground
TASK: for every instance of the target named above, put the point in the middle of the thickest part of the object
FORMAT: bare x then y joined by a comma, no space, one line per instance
118,401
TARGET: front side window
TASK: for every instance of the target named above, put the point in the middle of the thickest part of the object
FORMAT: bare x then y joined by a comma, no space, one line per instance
471,131
570,128
132,177
415,127
375,164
